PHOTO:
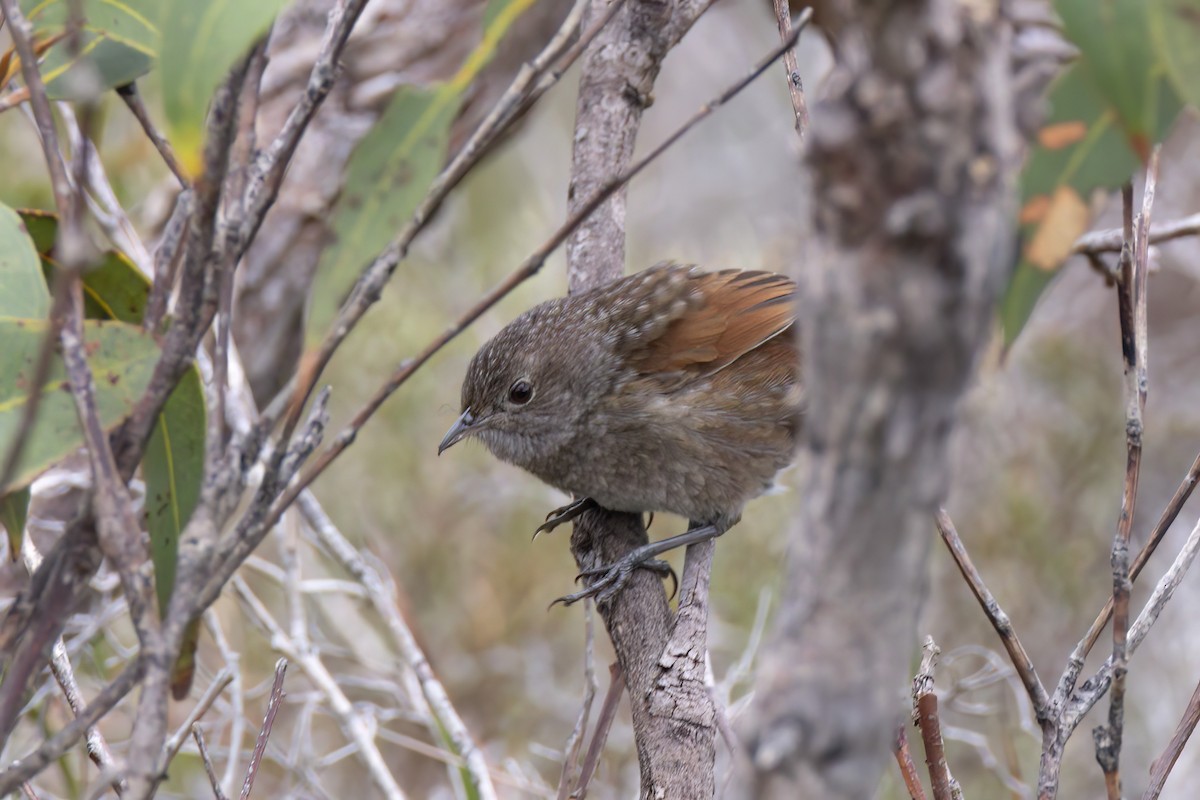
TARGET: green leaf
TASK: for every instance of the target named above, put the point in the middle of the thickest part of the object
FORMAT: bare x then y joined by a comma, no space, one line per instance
113,289
1107,111
173,462
23,293
119,43
42,227
1175,26
122,358
392,168
1119,60
173,467
201,41
14,508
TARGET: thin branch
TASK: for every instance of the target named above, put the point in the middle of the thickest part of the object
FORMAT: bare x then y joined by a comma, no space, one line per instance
237,699
1017,654
925,715
53,748
171,748
21,32
1156,535
166,260
1093,689
526,270
355,726
64,675
260,745
908,768
1131,300
575,740
266,175
209,770
448,722
783,15
608,712
1109,241
133,101
1162,766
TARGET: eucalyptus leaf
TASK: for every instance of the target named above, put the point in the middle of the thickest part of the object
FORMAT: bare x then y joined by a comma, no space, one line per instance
393,167
119,43
122,358
201,42
23,292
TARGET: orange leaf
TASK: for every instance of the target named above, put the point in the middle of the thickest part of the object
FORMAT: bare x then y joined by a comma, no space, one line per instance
1064,221
1062,134
1034,210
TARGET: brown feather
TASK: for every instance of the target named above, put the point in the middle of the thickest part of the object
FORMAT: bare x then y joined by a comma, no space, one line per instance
732,313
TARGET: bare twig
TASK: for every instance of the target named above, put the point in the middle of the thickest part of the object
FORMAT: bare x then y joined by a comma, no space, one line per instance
1164,590
447,722
133,101
925,715
267,173
1021,661
209,770
237,700
1131,300
526,270
260,745
60,667
355,726
53,748
1161,768
171,748
783,15
1109,241
166,260
908,768
1156,535
1093,689
608,712
575,740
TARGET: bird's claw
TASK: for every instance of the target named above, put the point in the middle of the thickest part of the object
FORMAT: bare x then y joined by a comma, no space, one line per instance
565,514
613,577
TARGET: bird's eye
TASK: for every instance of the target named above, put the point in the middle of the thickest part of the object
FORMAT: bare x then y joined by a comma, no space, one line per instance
520,392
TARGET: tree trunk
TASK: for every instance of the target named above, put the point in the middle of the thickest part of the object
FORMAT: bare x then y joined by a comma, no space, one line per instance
911,166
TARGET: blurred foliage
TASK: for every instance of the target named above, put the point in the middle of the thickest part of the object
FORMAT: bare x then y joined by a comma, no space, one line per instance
121,356
1108,109
392,168
199,41
117,45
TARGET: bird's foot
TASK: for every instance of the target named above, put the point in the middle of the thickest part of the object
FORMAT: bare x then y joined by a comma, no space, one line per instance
611,578
565,514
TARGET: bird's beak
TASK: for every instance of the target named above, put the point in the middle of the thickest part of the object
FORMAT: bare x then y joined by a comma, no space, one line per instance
461,427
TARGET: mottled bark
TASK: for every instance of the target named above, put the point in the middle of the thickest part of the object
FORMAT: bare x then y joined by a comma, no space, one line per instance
911,167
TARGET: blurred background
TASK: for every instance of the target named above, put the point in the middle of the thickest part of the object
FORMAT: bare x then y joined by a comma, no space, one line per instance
1039,463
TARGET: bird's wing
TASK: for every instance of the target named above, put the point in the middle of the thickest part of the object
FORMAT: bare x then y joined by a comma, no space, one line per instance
731,313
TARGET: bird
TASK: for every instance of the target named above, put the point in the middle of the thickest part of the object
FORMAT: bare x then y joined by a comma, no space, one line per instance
673,389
